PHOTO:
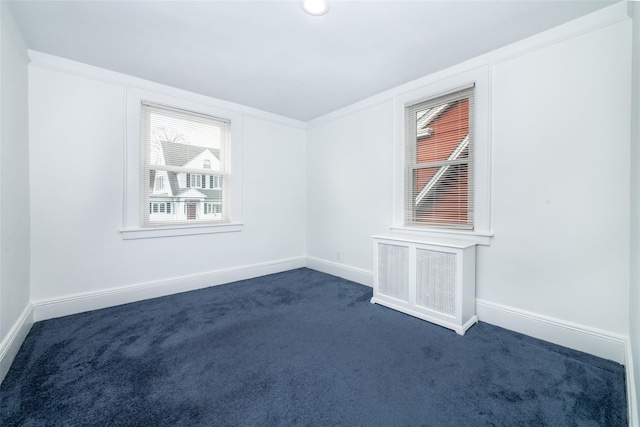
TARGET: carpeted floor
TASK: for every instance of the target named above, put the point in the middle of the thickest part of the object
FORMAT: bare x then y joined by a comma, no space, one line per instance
296,348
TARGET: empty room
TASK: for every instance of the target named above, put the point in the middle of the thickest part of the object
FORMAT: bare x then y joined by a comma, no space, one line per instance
354,213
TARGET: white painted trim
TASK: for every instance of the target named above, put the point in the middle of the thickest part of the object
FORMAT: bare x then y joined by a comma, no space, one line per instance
77,303
478,238
186,230
597,342
425,240
13,341
604,17
632,396
358,275
55,63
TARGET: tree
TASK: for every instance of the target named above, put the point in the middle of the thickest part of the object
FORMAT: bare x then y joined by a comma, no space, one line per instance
162,134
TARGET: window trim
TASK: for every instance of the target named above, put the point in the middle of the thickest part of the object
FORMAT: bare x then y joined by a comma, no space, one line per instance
133,216
480,77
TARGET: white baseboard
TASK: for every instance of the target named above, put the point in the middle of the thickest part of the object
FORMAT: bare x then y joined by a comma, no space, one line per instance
77,303
11,343
358,275
578,337
632,396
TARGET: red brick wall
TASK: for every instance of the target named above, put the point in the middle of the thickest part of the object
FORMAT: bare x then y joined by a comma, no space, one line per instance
448,200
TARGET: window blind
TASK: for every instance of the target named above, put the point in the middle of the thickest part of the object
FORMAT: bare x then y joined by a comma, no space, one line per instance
185,174
439,161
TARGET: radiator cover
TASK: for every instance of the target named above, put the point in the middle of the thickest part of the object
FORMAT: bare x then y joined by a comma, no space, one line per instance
431,279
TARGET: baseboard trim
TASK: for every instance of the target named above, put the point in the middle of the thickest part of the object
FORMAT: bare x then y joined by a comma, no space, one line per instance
11,343
358,275
578,337
77,303
632,399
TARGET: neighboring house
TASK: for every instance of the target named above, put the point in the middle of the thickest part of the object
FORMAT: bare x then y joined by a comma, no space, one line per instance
185,195
442,192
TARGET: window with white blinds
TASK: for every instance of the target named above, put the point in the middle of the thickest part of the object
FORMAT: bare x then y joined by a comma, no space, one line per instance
185,174
439,161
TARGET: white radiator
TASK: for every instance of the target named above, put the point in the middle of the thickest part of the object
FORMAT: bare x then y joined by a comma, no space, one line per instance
431,279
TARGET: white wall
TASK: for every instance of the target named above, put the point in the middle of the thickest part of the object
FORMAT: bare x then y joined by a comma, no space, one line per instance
77,130
349,185
560,182
14,192
560,179
634,291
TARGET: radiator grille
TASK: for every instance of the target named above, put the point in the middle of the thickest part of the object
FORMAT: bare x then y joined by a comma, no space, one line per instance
436,281
393,271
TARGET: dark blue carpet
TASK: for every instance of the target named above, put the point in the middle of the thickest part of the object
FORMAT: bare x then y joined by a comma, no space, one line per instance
296,348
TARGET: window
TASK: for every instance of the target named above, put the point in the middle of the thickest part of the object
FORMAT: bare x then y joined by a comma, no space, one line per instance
181,142
196,180
212,209
215,181
160,207
442,157
159,184
439,161
147,157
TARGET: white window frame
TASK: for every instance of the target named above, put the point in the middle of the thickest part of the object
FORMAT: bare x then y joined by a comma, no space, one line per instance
479,77
133,216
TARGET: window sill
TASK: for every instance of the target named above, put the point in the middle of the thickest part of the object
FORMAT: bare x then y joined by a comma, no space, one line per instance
183,230
477,237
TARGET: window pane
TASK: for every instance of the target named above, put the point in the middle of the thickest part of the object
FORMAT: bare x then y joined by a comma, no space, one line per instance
439,161
441,195
158,180
184,151
440,130
178,140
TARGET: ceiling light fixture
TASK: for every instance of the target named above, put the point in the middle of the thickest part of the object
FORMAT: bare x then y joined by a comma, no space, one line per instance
315,7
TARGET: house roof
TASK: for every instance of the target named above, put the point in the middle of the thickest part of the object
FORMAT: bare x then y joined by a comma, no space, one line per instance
210,194
176,154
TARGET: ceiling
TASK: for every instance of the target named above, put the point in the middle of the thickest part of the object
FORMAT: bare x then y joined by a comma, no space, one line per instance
272,56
